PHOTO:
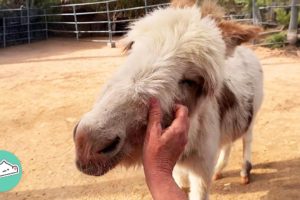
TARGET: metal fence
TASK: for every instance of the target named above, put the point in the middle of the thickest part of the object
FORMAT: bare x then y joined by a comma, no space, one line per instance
107,25
101,18
18,26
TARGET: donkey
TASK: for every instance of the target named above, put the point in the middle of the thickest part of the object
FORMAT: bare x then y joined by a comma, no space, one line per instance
185,55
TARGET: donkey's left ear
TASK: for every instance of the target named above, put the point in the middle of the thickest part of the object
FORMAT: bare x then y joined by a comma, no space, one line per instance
235,34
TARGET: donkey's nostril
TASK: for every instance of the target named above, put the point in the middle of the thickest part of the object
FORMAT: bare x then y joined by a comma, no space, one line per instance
111,147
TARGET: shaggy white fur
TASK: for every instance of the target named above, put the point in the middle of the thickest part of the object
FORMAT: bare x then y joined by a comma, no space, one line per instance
176,55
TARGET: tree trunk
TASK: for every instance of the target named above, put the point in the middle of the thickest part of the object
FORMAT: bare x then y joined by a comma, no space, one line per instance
292,33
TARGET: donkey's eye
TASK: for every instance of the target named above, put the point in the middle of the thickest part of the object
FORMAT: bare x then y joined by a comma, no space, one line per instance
188,82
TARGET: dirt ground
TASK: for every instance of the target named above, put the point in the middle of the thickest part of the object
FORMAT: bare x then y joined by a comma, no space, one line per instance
45,87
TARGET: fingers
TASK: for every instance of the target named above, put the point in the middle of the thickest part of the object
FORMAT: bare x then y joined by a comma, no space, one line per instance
155,114
181,112
180,125
154,117
181,122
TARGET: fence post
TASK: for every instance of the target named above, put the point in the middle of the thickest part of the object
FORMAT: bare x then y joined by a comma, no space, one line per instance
254,13
28,25
110,43
257,19
146,7
292,35
46,23
75,20
4,32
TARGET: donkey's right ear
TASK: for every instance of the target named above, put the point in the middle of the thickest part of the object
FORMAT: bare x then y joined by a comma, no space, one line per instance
234,34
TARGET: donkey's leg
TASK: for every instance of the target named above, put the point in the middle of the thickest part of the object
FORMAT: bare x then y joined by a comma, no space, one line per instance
247,166
181,177
201,171
222,161
199,187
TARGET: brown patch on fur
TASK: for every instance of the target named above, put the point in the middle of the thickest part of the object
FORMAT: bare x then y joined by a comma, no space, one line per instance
195,84
191,91
235,34
226,101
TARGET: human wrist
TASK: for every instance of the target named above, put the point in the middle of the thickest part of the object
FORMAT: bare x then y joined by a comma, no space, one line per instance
158,175
163,187
158,183
158,171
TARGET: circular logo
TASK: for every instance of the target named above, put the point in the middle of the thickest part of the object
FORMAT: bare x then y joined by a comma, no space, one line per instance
10,171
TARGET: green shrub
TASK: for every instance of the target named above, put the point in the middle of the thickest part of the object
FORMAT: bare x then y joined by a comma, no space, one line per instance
282,17
276,40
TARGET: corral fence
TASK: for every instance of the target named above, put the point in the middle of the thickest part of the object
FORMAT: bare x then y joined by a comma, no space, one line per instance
18,26
102,18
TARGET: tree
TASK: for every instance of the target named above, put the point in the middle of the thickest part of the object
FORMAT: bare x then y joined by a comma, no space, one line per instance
292,32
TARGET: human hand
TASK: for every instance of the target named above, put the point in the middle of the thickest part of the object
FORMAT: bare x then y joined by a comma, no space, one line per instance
162,148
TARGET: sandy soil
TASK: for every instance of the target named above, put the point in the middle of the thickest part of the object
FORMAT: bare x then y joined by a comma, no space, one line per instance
45,87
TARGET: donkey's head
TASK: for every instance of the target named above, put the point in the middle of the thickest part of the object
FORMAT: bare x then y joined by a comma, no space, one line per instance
175,55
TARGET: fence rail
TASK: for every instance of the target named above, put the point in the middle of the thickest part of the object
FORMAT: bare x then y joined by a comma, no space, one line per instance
110,23
22,26
72,19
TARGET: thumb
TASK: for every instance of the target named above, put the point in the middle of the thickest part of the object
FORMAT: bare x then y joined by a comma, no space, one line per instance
154,117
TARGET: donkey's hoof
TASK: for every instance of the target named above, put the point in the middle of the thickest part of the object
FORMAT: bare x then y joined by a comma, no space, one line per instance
245,173
217,176
245,180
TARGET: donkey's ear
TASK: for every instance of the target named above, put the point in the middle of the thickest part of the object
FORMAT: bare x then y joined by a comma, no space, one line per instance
211,9
235,34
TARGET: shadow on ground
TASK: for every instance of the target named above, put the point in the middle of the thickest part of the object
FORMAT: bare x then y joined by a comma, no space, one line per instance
280,179
96,190
28,53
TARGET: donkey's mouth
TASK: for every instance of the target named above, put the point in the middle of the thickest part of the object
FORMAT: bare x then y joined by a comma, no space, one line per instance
99,167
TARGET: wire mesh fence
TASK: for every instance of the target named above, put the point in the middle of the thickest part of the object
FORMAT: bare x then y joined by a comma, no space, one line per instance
104,18
18,26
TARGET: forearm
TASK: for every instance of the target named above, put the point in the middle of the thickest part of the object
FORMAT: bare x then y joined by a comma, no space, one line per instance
164,187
